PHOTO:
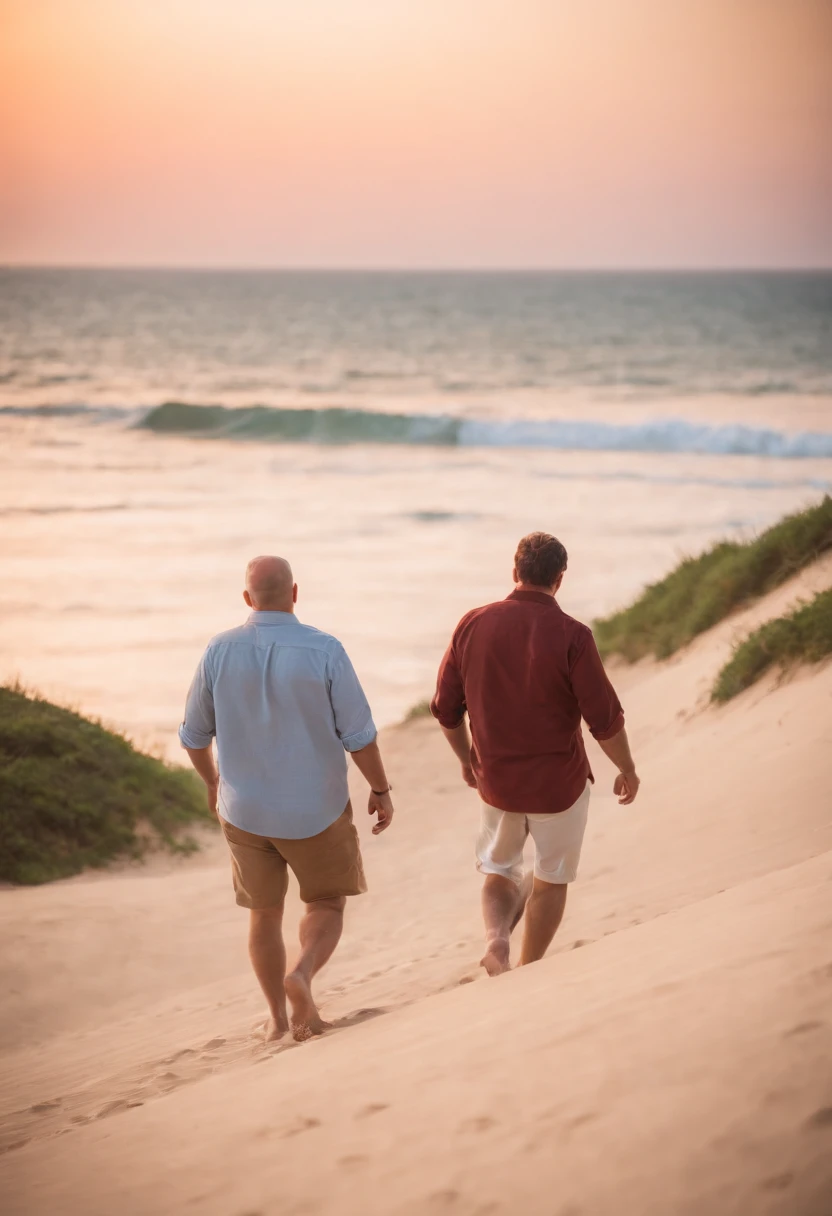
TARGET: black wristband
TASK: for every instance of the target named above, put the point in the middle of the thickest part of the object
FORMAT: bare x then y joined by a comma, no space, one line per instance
379,793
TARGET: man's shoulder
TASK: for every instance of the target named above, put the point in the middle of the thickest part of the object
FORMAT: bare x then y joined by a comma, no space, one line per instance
573,625
505,610
318,639
296,634
237,634
473,613
478,614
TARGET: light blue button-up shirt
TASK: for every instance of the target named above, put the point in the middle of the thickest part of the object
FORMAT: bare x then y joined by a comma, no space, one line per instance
284,703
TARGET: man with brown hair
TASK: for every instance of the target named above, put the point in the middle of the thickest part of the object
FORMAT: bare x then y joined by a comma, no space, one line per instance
526,673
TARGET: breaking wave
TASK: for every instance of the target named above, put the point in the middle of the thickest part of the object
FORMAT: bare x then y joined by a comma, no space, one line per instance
341,426
346,426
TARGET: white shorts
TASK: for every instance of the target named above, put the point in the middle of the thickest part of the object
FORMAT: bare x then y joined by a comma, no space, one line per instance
557,842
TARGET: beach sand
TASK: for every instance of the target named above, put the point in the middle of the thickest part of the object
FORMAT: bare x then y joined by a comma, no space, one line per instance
672,1054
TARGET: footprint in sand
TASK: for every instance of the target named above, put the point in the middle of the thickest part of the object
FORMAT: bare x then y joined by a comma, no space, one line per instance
444,1199
179,1055
778,1182
40,1107
374,1108
10,1148
359,1016
169,1080
800,1028
114,1108
821,1118
480,1123
299,1126
353,1159
212,1043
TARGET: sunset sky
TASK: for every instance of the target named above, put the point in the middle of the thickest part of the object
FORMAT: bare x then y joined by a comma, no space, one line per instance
388,133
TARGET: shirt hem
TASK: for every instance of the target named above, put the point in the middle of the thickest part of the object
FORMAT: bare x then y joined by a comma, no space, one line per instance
278,830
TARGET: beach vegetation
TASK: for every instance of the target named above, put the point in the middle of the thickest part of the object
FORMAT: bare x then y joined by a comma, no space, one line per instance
703,590
802,636
74,794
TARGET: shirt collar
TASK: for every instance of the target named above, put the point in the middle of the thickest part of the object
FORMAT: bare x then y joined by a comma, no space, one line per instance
534,597
262,616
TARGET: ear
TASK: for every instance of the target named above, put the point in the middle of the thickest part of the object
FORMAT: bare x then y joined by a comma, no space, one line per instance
247,599
560,580
295,594
515,577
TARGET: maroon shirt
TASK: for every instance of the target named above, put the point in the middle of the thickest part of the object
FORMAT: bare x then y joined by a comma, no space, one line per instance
527,673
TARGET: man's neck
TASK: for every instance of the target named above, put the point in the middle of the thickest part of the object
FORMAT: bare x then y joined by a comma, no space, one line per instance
289,609
532,587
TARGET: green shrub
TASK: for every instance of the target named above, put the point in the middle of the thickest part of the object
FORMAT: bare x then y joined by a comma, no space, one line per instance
73,794
701,591
804,636
420,710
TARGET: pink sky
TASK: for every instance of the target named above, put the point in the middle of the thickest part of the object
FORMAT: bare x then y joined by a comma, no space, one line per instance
379,133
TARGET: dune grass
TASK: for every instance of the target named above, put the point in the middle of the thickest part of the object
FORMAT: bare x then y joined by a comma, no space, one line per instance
73,794
804,636
701,591
420,710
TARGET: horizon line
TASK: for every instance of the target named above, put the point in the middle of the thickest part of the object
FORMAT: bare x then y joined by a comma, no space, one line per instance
209,268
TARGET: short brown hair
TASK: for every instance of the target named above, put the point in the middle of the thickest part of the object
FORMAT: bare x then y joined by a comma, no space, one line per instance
540,559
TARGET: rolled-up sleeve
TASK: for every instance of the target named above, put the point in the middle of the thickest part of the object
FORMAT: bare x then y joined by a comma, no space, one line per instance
448,704
599,705
199,725
353,719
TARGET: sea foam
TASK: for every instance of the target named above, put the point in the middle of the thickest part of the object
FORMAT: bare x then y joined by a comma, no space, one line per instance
346,426
339,426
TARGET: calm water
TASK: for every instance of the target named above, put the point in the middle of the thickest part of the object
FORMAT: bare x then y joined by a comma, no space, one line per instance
125,338
393,435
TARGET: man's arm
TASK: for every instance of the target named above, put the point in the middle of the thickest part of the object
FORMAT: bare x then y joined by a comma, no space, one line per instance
369,763
356,730
449,709
618,750
202,758
197,731
602,712
459,738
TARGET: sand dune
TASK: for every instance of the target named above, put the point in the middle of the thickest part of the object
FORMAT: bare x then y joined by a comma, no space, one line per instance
679,1061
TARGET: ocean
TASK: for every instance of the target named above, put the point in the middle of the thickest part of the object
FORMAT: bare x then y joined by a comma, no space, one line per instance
393,435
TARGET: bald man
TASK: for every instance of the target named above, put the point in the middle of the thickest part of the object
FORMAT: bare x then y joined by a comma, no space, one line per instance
285,706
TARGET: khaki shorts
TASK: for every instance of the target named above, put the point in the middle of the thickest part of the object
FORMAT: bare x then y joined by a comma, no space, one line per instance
557,842
326,866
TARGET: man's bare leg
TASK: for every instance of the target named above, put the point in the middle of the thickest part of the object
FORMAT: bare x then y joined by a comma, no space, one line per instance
525,892
268,958
320,932
502,907
544,912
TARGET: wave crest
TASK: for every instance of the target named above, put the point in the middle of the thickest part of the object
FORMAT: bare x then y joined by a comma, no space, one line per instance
347,426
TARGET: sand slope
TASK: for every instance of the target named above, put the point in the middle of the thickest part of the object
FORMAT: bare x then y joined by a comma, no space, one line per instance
678,1061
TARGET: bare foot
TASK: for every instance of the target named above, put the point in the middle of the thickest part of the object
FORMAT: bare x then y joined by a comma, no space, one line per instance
495,959
305,1019
275,1028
